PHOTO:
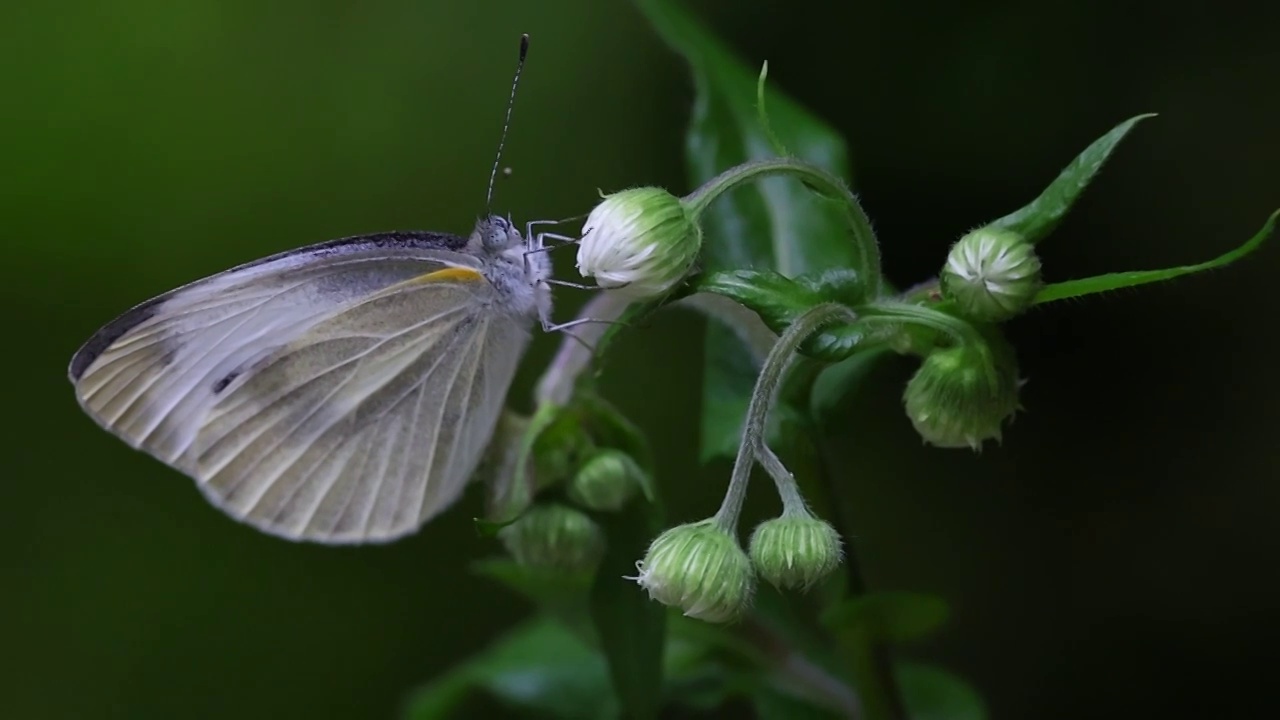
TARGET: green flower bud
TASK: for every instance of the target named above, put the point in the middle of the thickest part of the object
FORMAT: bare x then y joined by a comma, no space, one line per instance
992,274
700,568
606,481
554,536
795,551
644,239
960,396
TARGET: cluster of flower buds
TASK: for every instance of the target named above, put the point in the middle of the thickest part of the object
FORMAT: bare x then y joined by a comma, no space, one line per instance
965,391
701,568
562,535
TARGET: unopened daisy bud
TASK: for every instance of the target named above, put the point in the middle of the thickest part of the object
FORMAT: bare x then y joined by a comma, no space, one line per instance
991,274
795,551
554,536
701,569
644,239
606,481
961,396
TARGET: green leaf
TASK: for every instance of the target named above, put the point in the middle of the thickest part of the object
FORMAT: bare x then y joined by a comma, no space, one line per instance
724,401
1115,281
931,693
771,704
499,473
889,616
1037,219
779,300
544,586
838,381
491,528
540,665
776,223
631,627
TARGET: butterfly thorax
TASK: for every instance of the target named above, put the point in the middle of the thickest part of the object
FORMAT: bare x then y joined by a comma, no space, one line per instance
514,272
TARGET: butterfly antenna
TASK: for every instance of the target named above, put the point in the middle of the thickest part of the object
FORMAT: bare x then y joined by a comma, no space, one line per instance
511,102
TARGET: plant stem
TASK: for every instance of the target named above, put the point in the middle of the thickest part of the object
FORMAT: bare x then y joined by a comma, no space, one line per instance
762,400
825,184
871,664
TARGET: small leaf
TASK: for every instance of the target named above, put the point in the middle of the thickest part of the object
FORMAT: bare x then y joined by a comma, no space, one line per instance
1115,281
540,665
889,616
931,693
518,494
1037,219
631,627
779,300
499,473
490,528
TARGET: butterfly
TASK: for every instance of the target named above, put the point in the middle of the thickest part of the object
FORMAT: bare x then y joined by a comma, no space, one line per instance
343,392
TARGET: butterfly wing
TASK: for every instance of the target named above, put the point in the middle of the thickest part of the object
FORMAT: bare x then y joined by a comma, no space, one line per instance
340,393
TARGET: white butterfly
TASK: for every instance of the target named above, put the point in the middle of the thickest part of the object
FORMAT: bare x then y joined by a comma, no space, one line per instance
339,393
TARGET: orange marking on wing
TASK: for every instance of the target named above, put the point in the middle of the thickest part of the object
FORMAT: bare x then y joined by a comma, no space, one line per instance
453,273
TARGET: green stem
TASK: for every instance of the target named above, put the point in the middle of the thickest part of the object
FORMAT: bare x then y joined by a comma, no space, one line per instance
820,181
870,664
761,401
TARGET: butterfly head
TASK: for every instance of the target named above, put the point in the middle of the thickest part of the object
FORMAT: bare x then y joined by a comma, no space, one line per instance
495,234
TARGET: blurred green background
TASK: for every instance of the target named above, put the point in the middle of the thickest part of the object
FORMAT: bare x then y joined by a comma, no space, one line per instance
1116,557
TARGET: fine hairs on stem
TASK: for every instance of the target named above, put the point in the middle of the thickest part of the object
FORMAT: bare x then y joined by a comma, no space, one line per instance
752,445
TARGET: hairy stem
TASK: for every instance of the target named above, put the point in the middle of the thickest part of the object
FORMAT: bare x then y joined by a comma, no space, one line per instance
867,262
762,400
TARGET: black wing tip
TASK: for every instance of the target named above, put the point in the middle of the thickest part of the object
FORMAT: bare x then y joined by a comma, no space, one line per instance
98,343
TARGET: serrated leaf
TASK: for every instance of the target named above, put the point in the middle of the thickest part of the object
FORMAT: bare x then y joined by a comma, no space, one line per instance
932,693
1116,281
779,300
889,616
1038,218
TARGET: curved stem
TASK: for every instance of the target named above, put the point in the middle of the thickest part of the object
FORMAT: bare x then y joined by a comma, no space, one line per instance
819,180
793,503
762,400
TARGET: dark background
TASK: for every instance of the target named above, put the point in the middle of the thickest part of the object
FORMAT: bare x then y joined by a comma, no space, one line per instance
1115,558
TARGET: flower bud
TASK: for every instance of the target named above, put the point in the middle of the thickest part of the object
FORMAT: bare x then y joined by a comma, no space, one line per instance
606,481
795,551
701,569
643,239
991,274
960,396
554,536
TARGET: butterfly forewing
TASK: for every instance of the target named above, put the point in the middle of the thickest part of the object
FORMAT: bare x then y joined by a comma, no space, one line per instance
339,393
